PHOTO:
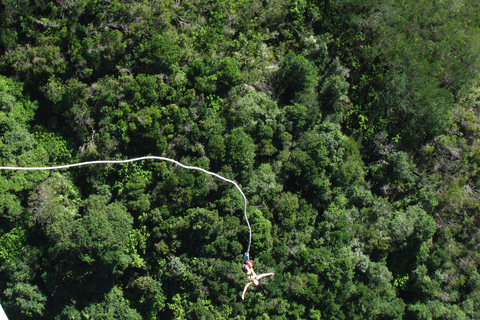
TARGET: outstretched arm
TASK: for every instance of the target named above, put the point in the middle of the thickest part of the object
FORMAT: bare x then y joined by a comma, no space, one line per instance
245,290
263,275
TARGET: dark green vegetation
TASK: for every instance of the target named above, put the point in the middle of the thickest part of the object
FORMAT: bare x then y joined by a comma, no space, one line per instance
352,126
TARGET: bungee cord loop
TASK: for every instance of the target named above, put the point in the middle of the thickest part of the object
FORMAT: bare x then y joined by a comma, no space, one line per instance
86,163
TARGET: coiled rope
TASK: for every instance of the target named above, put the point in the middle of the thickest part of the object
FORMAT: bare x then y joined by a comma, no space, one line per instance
86,163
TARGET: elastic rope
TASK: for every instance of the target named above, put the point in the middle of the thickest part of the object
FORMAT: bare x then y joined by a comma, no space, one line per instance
147,158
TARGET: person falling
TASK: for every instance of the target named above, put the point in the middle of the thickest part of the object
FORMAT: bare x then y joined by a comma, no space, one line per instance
248,269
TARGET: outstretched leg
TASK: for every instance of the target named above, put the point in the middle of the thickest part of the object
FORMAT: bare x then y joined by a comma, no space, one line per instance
263,275
245,290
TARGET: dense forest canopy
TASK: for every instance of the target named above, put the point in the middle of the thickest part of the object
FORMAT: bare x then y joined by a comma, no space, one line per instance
351,125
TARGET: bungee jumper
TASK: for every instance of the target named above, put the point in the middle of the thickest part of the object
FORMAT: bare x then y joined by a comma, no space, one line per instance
254,278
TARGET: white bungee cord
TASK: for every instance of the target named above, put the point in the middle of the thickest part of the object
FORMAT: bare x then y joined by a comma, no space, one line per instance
86,163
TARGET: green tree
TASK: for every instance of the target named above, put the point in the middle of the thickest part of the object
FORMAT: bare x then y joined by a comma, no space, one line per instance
88,252
147,297
25,301
23,298
240,151
297,79
377,299
114,306
55,199
229,74
11,243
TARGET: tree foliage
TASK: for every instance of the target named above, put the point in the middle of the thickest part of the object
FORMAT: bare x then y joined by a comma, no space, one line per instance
351,126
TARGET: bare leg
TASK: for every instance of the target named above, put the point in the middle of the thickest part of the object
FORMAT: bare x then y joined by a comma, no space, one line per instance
263,275
245,290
